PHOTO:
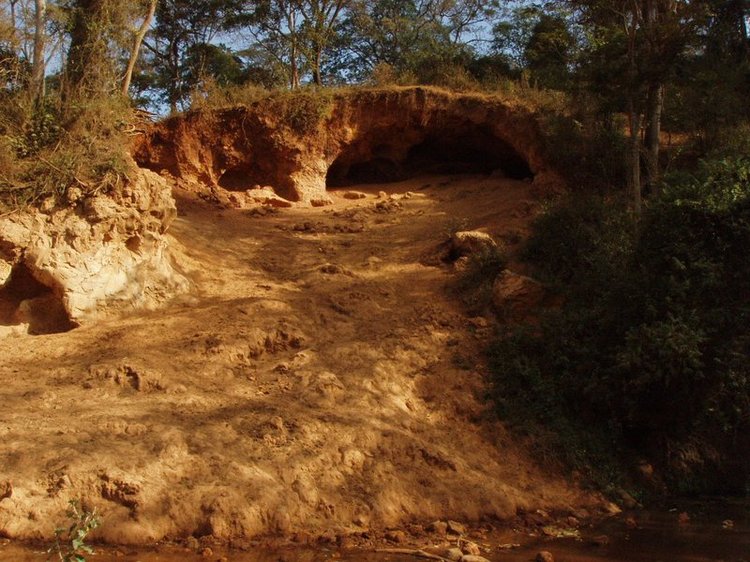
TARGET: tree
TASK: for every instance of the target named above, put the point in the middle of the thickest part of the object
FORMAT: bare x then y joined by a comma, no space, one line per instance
512,33
38,63
181,25
416,36
320,18
137,41
636,45
95,37
276,26
549,51
215,61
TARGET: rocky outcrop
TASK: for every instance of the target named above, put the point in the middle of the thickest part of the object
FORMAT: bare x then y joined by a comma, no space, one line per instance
468,242
357,136
63,264
516,296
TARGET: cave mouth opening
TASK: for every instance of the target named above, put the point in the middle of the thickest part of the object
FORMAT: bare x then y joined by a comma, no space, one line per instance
252,175
242,178
455,151
25,300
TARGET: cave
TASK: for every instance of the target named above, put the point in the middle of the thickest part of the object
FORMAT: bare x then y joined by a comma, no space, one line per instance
241,179
458,150
25,300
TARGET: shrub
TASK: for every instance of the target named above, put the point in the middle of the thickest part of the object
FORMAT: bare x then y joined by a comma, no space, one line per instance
301,110
474,285
212,95
383,75
48,151
588,150
585,239
454,77
651,345
70,542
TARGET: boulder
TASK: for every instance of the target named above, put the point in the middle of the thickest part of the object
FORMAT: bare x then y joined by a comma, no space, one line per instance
396,536
266,196
516,295
456,528
438,527
354,195
98,253
471,548
468,242
453,554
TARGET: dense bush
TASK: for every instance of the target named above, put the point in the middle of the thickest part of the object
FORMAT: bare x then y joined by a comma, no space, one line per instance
474,284
588,149
45,150
651,345
302,110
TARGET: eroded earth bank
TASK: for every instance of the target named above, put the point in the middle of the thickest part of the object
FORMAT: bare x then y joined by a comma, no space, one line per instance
311,373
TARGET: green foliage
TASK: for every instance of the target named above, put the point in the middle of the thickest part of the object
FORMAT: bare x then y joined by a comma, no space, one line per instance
587,148
585,238
215,62
549,51
70,542
414,37
728,176
46,151
651,343
42,130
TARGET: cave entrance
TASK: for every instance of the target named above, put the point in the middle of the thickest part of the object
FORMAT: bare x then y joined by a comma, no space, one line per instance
25,300
455,150
242,178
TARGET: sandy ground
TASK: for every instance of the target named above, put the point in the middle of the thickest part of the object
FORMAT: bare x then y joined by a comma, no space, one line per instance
320,378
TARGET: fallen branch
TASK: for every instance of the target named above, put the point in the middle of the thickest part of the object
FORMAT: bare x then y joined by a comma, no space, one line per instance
412,552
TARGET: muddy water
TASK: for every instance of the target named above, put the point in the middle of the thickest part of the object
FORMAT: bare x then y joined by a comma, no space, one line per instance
659,537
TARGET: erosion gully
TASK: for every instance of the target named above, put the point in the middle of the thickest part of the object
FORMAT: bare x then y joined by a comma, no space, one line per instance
716,531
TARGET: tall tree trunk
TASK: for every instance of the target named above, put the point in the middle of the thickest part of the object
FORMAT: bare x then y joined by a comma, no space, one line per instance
13,25
40,35
634,157
294,78
654,106
137,47
317,78
88,68
175,88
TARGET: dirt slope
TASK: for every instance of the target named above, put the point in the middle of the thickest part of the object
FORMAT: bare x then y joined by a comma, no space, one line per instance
319,377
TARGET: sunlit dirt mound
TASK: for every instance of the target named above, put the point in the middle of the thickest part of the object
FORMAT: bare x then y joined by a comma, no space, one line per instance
301,145
320,378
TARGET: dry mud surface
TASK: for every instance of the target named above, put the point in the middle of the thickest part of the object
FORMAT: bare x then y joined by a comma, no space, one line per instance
320,379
